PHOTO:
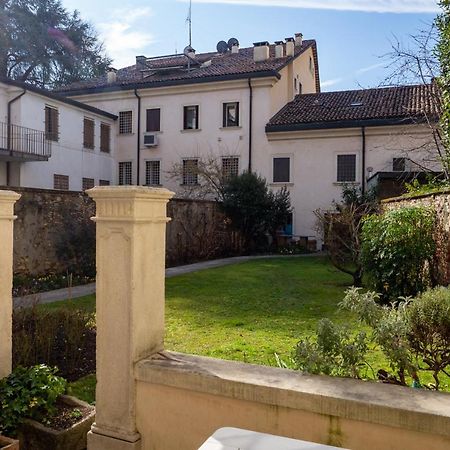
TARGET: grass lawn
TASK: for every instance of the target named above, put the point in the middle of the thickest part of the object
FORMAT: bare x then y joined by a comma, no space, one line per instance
248,311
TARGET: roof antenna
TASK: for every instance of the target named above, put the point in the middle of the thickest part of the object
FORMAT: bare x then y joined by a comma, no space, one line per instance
189,21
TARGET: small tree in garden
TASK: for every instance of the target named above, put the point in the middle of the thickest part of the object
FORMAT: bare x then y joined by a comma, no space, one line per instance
397,250
253,209
341,230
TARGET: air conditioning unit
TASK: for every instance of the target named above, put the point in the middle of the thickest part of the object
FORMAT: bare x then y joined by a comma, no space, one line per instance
150,139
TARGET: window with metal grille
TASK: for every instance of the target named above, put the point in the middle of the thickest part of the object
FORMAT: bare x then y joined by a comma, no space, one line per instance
61,182
88,183
88,133
51,123
104,182
281,170
230,167
125,122
152,173
153,119
231,114
105,138
346,168
125,173
190,172
398,164
190,117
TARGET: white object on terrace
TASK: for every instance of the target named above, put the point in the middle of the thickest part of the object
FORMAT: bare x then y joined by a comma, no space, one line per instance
237,439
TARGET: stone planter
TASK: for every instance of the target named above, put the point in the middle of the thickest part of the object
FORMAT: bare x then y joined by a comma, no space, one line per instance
36,436
8,444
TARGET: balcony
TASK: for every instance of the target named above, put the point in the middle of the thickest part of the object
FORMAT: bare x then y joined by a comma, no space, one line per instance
23,144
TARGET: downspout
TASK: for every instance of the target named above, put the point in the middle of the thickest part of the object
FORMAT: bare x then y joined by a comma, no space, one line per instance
8,134
363,159
138,152
250,125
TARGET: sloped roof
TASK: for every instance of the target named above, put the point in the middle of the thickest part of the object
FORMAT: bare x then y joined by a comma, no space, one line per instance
380,106
212,67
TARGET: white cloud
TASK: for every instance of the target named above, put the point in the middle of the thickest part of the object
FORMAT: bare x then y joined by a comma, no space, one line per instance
381,6
329,83
122,35
370,68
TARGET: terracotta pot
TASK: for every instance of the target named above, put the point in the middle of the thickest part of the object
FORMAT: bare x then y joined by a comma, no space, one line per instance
36,436
8,444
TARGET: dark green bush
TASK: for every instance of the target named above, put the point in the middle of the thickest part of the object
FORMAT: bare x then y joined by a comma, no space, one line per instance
28,393
397,250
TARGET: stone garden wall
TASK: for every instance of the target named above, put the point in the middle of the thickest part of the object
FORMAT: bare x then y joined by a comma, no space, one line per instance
440,202
53,232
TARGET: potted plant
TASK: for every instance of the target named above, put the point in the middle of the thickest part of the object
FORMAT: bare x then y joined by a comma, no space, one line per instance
65,429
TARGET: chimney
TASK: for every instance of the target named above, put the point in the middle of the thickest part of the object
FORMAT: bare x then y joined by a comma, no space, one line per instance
141,62
298,39
261,51
190,51
111,75
235,48
279,49
290,46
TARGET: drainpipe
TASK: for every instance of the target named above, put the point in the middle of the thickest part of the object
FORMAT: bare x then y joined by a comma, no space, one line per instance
363,159
250,125
138,152
8,134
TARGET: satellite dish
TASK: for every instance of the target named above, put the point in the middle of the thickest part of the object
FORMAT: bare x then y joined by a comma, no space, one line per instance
231,42
222,47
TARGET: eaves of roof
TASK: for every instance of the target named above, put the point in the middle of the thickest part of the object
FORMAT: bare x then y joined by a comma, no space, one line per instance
56,97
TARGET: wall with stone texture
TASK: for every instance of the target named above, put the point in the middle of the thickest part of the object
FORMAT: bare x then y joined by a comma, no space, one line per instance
440,202
198,230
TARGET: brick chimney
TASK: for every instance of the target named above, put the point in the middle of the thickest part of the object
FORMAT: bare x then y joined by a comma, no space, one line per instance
290,46
261,51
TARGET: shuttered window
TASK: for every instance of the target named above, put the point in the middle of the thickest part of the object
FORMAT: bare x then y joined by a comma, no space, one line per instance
153,119
281,170
346,168
51,123
88,133
105,138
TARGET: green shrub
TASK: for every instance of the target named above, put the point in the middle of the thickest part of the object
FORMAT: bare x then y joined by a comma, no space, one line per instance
28,393
334,352
397,248
428,332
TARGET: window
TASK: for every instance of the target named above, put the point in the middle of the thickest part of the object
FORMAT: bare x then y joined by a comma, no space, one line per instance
281,170
230,167
125,122
230,114
346,168
104,182
88,133
152,173
125,173
190,172
51,123
105,138
61,182
88,183
154,119
190,118
399,164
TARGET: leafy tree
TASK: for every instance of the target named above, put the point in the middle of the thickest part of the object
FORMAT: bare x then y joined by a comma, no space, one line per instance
253,209
44,44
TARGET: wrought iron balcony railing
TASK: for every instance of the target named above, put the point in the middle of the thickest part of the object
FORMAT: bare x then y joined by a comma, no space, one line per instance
21,142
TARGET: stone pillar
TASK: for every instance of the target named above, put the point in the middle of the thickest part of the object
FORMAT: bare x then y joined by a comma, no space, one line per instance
131,225
7,200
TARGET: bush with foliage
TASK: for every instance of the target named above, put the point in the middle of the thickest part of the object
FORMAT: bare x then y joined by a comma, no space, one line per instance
60,337
397,251
253,209
28,393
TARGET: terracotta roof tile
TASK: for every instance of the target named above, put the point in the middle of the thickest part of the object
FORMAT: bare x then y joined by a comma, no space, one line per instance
328,108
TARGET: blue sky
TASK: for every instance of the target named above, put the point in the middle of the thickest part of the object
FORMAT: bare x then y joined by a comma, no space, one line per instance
352,35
